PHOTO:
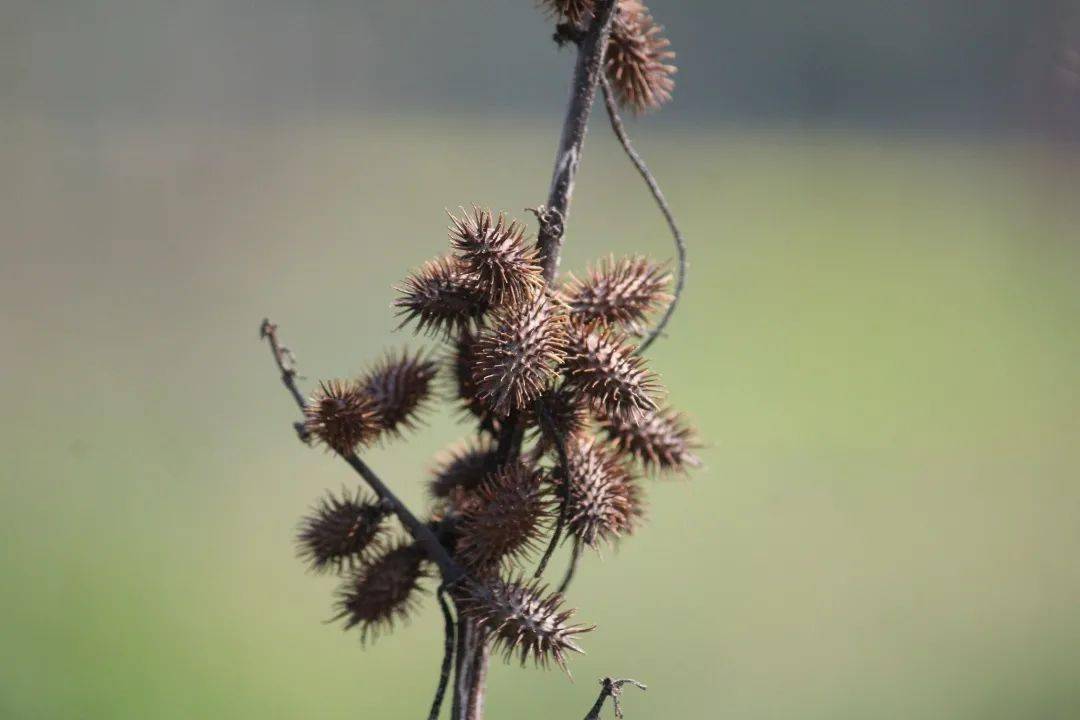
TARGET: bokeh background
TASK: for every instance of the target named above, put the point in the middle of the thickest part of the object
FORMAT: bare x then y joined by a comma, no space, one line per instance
880,344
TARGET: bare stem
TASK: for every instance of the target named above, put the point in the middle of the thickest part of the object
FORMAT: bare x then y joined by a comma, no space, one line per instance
548,428
571,568
611,688
587,74
450,570
448,654
654,187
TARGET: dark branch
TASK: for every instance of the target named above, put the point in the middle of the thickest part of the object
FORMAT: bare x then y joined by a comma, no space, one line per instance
450,570
587,73
448,654
547,426
286,363
575,557
654,187
611,688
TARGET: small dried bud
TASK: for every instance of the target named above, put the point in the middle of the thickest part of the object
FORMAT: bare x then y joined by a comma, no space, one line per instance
341,416
567,412
524,620
660,439
399,387
604,502
622,292
506,519
638,62
441,298
518,357
601,365
494,254
341,532
382,592
464,467
573,11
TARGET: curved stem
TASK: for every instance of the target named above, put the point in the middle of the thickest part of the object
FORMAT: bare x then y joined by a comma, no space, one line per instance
448,654
548,427
654,187
575,557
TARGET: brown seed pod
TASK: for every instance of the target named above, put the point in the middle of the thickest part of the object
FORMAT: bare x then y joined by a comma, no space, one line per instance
517,358
382,591
602,365
622,292
638,61
441,298
604,502
660,439
493,254
567,411
524,620
341,532
341,416
399,386
506,519
573,11
464,467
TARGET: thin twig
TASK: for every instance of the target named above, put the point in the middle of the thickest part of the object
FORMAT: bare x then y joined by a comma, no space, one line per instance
548,428
575,557
654,187
611,688
450,570
448,654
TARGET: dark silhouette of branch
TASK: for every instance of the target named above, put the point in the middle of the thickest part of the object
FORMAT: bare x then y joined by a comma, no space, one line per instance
611,688
654,187
587,74
548,428
448,653
450,570
575,557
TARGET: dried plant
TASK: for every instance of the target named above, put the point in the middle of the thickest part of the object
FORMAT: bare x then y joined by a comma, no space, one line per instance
622,292
441,298
603,500
382,591
341,533
524,619
601,365
638,61
564,406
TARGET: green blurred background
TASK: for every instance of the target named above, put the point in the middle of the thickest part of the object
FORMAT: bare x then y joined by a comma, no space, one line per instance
879,343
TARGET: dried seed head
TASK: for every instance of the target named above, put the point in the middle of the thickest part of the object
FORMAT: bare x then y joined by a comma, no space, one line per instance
493,254
622,292
464,467
399,385
341,532
341,416
463,362
505,520
382,592
524,621
638,61
604,502
518,357
441,298
566,410
661,439
573,11
602,365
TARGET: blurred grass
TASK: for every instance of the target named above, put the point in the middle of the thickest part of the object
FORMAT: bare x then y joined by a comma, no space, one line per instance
879,344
